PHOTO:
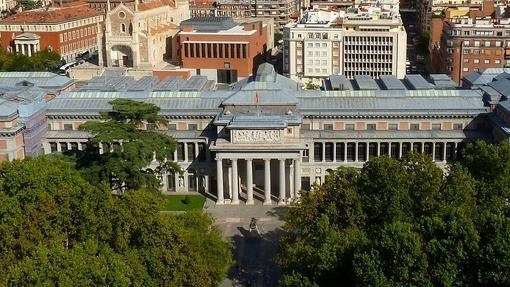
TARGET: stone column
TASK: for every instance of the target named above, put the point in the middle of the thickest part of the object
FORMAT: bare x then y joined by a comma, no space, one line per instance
249,181
235,182
356,152
434,151
444,151
378,148
219,180
281,199
297,177
345,152
267,182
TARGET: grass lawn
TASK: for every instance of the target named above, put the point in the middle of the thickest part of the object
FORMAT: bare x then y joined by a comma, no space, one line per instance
177,202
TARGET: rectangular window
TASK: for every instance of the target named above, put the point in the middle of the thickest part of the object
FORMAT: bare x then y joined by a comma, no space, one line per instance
328,127
170,181
171,127
317,152
192,127
362,152
201,152
180,151
436,127
415,127
351,151
395,150
438,152
450,151
191,151
53,147
329,151
392,127
349,127
192,182
372,150
340,151
371,127
68,127
63,147
427,148
417,147
406,147
384,149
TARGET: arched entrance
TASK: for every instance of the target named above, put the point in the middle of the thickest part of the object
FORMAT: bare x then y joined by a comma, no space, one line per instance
121,56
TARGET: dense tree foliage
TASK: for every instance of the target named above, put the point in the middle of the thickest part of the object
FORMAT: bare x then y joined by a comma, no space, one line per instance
404,223
58,230
131,142
41,61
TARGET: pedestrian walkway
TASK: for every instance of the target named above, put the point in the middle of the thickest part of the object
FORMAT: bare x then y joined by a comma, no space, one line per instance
242,213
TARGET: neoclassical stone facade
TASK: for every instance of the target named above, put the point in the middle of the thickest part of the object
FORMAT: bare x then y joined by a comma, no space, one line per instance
266,139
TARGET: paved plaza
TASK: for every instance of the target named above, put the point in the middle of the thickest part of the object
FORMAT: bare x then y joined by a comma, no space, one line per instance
253,254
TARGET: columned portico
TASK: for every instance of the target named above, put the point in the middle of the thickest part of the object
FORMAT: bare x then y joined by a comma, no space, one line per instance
270,179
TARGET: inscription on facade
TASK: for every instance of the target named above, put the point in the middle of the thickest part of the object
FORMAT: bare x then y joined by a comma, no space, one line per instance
256,136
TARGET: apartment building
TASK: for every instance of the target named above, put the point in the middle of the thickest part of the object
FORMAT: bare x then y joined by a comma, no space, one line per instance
69,30
221,49
360,41
470,45
280,10
428,9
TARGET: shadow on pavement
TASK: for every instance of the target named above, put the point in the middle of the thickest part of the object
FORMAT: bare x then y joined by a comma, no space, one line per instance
278,212
255,255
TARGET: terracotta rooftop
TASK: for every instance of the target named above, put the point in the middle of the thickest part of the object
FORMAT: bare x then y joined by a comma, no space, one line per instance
52,14
202,3
155,4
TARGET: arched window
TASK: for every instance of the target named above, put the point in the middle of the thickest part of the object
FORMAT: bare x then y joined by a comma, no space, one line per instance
123,28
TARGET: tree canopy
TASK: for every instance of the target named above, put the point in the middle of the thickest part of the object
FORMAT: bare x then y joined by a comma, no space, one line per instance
404,223
134,151
41,61
56,229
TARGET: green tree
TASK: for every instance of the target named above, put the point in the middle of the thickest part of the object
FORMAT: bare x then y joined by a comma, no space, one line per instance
404,223
57,229
131,140
46,60
310,85
490,166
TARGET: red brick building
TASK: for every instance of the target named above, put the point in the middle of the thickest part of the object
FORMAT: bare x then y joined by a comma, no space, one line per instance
69,30
221,49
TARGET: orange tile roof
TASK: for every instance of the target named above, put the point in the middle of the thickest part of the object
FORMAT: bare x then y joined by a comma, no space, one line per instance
155,4
53,14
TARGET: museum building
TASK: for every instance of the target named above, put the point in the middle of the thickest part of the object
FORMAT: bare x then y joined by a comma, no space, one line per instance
266,138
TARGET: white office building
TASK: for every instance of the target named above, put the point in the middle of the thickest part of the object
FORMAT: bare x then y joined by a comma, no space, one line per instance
367,40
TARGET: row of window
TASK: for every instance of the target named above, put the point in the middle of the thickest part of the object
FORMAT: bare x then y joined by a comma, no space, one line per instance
185,152
364,151
394,127
170,127
79,45
215,50
80,33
